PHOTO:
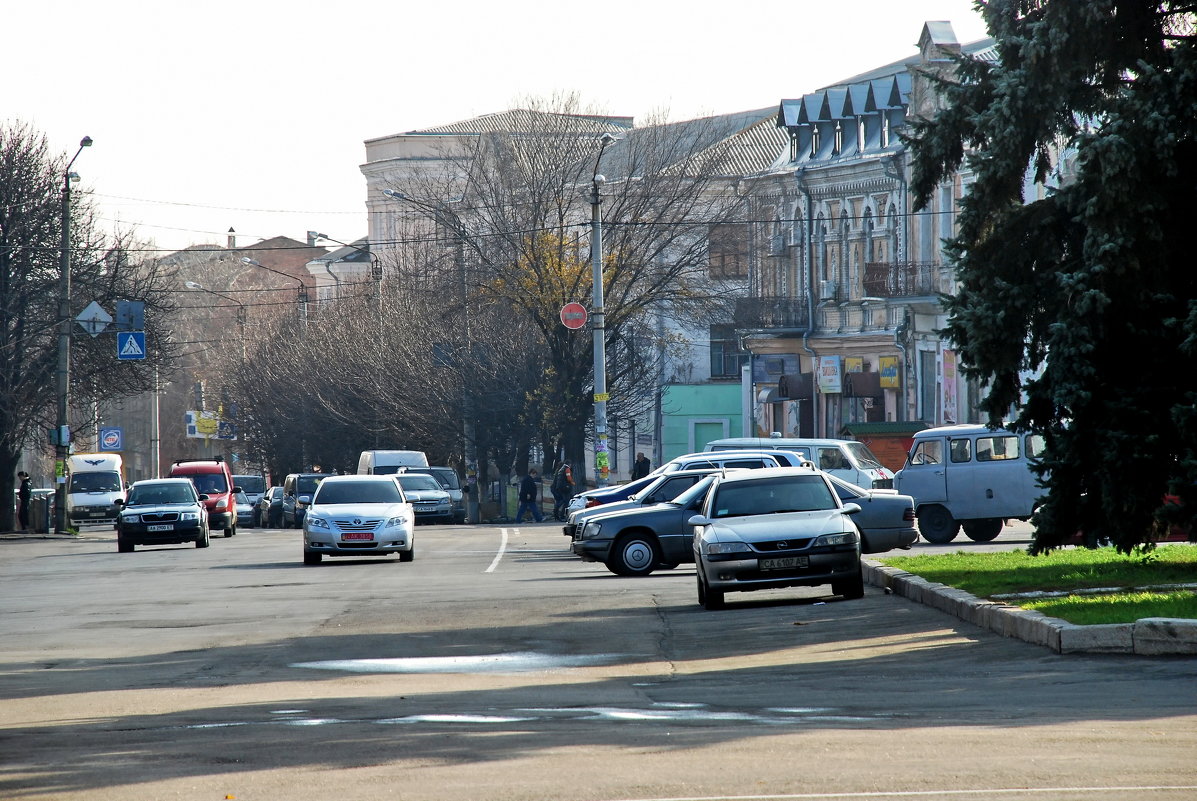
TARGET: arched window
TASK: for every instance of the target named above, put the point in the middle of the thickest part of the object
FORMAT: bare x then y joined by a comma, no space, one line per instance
838,145
821,247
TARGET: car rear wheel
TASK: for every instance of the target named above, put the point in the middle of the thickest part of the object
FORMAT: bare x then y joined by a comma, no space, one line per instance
983,530
633,555
850,588
310,558
205,538
937,525
710,599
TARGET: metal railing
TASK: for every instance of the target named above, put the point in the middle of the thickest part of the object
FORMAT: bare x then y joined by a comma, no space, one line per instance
771,313
906,279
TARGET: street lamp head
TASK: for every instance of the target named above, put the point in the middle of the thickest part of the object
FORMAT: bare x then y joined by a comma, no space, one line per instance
599,180
394,195
248,260
85,142
192,285
72,176
606,139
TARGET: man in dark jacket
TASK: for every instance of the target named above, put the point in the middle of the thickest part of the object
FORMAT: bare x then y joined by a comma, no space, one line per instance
24,493
641,467
529,497
563,489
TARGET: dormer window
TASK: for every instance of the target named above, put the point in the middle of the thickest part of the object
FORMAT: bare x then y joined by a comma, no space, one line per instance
884,130
838,145
815,142
860,134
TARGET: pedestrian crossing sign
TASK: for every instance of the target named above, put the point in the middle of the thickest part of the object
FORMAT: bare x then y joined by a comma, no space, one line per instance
130,345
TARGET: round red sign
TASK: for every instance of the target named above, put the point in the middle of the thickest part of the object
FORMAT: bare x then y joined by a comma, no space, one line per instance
573,315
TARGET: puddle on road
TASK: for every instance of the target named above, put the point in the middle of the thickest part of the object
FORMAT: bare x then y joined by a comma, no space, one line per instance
518,662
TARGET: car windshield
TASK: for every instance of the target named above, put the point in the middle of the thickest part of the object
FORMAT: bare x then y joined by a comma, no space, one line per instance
864,457
251,484
772,495
241,498
306,485
338,492
159,494
415,482
209,483
96,482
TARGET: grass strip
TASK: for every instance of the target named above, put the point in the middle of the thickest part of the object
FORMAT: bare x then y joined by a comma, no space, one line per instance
1068,569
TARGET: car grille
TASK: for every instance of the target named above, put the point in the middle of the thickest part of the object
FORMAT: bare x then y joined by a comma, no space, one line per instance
773,546
357,523
159,517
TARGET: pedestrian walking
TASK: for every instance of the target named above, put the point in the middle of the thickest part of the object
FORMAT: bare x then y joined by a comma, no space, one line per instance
529,497
641,466
24,493
562,489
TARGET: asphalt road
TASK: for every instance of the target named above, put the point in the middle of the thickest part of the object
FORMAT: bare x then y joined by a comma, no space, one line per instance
498,666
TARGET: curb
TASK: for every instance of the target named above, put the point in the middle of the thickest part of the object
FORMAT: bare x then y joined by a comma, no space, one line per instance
1152,636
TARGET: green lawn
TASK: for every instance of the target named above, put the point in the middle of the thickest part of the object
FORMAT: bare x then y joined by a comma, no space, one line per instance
987,575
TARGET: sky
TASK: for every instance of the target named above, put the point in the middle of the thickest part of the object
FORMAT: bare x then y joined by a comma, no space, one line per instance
252,114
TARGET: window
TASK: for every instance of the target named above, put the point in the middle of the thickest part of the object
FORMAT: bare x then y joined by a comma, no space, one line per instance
961,450
838,144
727,245
884,130
726,356
816,141
991,449
928,452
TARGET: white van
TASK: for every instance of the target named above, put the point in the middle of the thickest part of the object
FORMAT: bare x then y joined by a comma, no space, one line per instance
94,483
847,459
379,463
971,476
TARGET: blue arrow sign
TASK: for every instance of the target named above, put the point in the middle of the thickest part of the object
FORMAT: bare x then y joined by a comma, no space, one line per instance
130,344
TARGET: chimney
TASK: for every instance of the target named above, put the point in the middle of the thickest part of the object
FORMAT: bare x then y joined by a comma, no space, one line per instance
232,239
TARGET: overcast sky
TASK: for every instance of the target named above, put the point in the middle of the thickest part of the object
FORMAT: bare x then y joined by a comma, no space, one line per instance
252,114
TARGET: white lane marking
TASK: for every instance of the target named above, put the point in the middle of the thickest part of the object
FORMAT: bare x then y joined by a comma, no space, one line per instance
922,793
499,555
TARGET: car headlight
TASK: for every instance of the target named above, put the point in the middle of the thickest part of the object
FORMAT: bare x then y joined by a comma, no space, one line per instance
714,548
189,515
221,504
591,530
311,521
130,518
847,538
396,522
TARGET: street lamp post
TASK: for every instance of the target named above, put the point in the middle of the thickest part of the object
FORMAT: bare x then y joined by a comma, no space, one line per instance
62,437
240,310
303,289
469,434
601,459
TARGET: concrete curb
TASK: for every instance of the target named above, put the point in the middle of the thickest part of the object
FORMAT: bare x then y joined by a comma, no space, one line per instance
1154,636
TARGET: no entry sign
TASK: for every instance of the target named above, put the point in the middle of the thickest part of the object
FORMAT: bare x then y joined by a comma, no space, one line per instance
573,315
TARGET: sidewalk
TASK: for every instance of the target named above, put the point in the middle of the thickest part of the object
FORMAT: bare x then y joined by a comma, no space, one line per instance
1153,636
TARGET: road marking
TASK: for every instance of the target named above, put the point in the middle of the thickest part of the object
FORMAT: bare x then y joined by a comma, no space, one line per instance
499,555
986,792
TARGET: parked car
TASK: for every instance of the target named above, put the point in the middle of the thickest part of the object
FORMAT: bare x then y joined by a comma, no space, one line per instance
254,487
270,508
245,510
359,515
769,529
451,483
653,490
162,511
751,459
428,498
635,542
886,519
843,458
298,489
602,495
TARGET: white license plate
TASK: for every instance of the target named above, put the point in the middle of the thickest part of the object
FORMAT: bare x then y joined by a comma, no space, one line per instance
166,527
784,562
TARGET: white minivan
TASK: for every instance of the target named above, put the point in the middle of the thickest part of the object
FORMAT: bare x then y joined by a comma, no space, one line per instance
379,463
971,476
846,459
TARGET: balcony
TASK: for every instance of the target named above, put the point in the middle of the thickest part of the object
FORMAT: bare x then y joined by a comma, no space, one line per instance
771,313
906,279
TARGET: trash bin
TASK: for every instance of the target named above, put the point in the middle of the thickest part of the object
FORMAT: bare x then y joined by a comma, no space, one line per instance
39,514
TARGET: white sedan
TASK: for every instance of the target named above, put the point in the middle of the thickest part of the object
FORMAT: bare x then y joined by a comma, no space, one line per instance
358,515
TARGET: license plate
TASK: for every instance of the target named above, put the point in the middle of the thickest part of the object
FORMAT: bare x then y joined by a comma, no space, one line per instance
784,562
167,527
358,535
95,514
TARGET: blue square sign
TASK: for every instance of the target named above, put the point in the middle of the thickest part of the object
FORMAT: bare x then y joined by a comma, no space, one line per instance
130,344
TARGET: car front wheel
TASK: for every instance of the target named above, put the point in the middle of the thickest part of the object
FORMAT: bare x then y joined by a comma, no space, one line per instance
204,539
710,599
937,525
850,588
633,555
311,558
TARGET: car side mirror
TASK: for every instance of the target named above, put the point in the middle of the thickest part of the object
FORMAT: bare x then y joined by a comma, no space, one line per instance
305,498
238,489
699,520
203,497
851,508
119,502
